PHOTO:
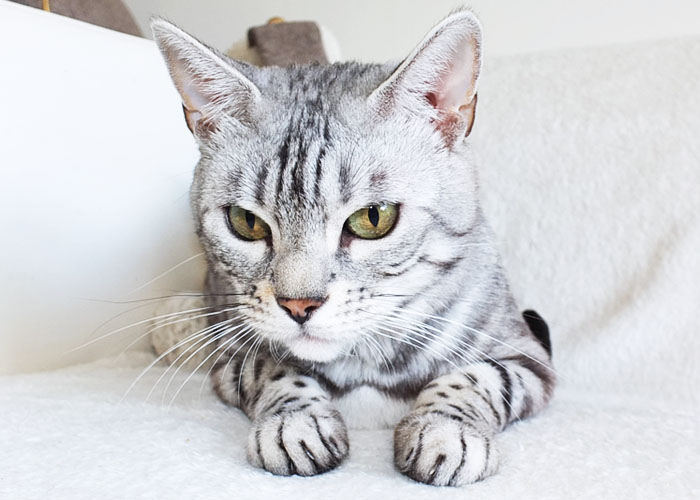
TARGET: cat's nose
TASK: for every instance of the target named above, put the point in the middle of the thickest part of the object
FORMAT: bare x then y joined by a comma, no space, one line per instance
300,310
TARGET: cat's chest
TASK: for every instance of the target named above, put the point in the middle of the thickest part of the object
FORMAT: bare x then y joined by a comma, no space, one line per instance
368,408
369,397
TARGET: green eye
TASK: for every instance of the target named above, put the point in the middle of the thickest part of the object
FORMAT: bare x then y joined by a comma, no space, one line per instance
373,222
247,225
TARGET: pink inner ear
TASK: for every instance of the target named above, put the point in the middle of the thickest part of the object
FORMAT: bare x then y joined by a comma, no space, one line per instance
455,86
192,96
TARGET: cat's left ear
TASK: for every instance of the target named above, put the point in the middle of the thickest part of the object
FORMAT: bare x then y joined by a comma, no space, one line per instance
439,78
211,86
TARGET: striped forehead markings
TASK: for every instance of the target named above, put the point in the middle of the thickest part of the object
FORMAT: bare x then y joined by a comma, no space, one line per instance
305,129
297,173
283,155
319,160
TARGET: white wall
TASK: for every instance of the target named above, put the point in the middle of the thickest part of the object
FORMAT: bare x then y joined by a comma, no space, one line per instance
94,176
382,30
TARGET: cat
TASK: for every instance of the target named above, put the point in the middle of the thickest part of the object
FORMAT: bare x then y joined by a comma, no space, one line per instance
350,267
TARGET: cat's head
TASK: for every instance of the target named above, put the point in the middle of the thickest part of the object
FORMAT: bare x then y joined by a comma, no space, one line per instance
327,196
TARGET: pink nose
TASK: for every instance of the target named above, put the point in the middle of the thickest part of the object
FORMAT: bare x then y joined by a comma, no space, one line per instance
300,309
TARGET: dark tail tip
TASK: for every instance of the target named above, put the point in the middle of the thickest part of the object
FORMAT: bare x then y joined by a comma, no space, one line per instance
539,328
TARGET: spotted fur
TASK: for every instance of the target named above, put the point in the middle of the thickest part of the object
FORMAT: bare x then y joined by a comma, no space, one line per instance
419,329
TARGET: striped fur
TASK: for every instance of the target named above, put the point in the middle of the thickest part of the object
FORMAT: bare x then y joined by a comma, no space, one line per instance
419,329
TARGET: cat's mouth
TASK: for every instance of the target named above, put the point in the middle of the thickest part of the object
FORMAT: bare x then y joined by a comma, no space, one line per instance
307,337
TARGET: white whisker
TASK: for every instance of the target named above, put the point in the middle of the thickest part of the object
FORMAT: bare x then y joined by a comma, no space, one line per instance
462,355
222,329
223,345
251,336
176,266
240,372
162,322
479,332
423,346
227,344
186,340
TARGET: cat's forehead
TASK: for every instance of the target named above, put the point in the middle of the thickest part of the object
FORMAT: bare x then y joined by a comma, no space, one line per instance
313,110
314,149
306,149
328,83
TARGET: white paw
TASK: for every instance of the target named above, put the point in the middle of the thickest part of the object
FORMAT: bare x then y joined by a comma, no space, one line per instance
435,448
303,442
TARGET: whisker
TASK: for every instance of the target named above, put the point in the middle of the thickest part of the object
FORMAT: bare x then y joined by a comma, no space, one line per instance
159,326
424,347
413,330
369,340
222,329
227,343
172,348
284,355
440,334
106,322
167,317
461,354
272,347
370,349
240,372
176,266
196,369
203,336
161,297
482,333
251,336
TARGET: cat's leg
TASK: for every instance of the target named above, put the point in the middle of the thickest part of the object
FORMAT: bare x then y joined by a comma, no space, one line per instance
296,429
448,437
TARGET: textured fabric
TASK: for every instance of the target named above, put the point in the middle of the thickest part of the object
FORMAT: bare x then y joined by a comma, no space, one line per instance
590,161
112,14
66,435
283,44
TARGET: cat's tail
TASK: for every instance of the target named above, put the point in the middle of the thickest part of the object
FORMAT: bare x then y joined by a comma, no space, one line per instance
539,328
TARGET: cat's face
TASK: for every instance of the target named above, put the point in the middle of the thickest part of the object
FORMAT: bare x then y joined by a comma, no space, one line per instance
327,194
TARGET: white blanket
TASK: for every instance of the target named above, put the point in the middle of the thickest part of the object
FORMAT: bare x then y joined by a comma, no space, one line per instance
65,434
591,168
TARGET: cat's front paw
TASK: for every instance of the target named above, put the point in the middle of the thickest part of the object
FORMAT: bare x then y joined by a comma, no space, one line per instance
302,442
435,448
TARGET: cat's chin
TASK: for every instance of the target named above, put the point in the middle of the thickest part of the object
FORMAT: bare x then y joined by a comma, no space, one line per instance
316,349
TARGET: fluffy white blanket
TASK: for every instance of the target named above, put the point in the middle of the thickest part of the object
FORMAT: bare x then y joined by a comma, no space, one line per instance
68,434
591,168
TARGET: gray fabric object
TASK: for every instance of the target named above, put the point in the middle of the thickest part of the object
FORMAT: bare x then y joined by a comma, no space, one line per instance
283,44
110,14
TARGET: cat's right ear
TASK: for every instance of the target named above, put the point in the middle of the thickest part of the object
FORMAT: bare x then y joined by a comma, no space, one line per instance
438,80
211,88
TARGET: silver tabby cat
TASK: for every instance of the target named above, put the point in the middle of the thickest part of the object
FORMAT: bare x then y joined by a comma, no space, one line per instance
349,258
